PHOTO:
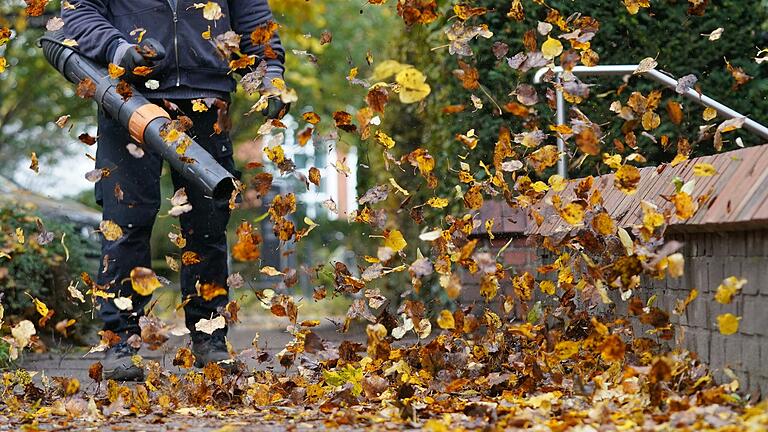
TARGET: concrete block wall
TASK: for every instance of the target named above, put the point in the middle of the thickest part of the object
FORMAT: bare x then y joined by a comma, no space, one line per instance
710,258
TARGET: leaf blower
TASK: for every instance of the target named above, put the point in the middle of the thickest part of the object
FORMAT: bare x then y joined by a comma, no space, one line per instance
143,119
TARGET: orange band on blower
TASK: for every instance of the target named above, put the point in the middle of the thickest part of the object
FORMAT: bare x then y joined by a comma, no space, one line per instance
142,117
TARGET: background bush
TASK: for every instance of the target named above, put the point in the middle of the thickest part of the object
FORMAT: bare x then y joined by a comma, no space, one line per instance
42,271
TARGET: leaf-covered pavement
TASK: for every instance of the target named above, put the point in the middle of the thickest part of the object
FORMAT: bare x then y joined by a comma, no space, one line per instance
541,352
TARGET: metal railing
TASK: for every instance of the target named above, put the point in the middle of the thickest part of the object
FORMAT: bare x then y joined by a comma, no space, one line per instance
653,74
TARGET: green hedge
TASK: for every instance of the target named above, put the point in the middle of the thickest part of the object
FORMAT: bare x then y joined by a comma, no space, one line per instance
665,31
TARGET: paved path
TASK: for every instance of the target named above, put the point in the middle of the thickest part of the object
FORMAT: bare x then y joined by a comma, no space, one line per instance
71,361
273,336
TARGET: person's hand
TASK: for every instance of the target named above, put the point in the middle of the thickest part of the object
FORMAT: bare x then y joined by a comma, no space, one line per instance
276,108
146,54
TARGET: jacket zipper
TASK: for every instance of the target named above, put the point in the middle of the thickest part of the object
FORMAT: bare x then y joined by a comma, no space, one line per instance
173,4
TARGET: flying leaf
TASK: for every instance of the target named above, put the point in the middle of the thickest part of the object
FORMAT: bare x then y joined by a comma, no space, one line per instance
394,240
728,323
144,281
208,326
413,85
551,48
730,287
626,179
271,271
110,230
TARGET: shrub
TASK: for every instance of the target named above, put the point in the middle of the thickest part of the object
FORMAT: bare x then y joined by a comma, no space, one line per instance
40,268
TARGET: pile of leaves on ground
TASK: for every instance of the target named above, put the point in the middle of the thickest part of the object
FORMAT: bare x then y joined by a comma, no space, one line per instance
541,352
481,371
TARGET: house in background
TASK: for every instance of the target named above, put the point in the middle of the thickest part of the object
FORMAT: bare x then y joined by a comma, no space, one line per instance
322,153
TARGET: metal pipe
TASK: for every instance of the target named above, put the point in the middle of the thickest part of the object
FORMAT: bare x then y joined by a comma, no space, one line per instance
562,168
653,74
143,120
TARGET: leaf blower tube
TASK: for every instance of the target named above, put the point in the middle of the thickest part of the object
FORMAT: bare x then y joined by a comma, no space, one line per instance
143,119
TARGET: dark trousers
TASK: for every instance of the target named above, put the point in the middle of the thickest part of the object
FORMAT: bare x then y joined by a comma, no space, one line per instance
204,227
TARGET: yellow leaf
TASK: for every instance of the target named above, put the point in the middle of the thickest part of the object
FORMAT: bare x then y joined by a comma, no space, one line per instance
566,349
385,140
3,64
709,114
212,11
685,207
633,6
413,85
399,188
573,213
144,281
110,230
676,264
115,71
547,287
651,120
603,224
703,169
395,241
551,48
387,68
437,202
271,271
445,320
730,287
613,161
540,186
41,307
199,106
557,182
626,179
20,235
275,154
728,323
679,158
279,83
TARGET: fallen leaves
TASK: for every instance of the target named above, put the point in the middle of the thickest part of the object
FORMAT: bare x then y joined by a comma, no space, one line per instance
555,359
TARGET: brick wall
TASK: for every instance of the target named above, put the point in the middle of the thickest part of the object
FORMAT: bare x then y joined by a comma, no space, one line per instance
520,255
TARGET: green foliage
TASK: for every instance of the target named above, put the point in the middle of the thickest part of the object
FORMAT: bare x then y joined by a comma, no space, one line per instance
666,33
321,85
37,270
5,354
34,95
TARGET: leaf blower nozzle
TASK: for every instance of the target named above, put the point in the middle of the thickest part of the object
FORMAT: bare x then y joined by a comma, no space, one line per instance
143,120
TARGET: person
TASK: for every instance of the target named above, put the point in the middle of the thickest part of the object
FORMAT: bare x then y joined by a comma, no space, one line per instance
168,51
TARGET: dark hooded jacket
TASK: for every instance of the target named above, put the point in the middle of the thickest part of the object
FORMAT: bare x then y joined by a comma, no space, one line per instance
192,61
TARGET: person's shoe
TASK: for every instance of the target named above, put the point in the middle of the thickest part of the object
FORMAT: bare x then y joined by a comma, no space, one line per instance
214,350
118,364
